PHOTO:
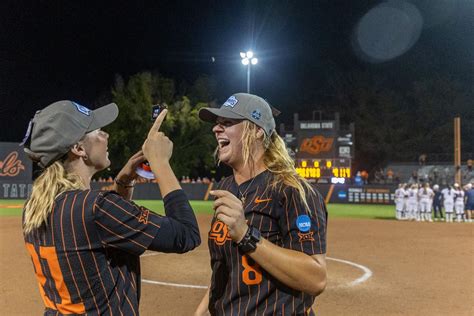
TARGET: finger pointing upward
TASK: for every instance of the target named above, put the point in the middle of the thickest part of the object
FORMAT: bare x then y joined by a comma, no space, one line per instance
157,124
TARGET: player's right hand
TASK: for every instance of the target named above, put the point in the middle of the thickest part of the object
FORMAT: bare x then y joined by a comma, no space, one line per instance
157,148
229,210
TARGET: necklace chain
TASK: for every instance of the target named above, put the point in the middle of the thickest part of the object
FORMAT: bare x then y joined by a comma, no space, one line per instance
244,195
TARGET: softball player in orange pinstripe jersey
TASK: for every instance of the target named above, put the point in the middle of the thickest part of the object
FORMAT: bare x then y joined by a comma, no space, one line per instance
268,237
85,244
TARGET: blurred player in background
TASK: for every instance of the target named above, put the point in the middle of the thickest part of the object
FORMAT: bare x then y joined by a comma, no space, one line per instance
437,203
399,203
469,201
406,195
448,203
459,202
413,202
425,196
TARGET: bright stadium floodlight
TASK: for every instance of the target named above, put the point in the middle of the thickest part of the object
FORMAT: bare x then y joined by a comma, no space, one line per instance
248,59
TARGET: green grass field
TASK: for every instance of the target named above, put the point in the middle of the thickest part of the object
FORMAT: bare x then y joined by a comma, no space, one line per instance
204,207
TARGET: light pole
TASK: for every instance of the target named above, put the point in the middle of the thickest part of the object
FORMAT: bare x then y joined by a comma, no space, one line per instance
247,60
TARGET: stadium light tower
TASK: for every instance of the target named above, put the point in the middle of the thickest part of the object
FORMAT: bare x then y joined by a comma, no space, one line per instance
248,59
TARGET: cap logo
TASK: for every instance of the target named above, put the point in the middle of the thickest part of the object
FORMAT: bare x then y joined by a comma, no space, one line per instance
232,101
304,223
28,133
256,114
82,109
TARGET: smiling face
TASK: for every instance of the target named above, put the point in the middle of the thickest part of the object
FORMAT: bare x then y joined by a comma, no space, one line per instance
95,144
228,134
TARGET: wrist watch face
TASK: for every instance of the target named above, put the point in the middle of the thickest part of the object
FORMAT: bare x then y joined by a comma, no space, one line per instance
255,235
251,243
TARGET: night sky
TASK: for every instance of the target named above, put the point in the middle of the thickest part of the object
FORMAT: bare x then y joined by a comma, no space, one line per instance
52,50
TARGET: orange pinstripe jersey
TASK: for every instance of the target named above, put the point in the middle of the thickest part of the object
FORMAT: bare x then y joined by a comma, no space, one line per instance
86,257
239,286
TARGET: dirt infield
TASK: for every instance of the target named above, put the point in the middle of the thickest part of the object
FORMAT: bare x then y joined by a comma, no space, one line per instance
417,269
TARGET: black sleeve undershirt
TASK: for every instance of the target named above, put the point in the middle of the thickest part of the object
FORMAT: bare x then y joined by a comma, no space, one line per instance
179,231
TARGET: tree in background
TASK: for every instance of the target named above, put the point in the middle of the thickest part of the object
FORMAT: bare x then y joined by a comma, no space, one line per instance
193,143
203,90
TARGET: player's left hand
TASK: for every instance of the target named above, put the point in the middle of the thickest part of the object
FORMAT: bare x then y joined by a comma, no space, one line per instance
128,174
229,210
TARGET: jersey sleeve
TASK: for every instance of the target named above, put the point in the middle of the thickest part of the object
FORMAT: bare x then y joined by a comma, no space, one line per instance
123,224
179,230
304,229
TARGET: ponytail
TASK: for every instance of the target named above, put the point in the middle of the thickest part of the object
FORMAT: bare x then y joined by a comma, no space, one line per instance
276,160
53,181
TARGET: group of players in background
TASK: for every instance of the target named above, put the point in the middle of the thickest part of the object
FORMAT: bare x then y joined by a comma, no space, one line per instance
418,202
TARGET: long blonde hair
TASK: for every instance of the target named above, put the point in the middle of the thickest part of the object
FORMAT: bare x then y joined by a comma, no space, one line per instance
53,181
275,158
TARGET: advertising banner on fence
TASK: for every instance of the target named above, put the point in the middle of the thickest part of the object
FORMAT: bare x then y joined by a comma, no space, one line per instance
353,194
15,172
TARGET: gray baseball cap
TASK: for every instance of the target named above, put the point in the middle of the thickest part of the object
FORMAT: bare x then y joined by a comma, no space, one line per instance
57,127
244,106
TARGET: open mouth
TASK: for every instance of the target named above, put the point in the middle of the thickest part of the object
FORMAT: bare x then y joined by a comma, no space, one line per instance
223,142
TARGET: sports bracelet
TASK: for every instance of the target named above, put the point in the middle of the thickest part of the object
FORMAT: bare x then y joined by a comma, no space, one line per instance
125,185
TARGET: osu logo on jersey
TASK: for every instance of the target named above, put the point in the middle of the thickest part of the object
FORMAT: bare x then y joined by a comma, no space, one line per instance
143,215
219,233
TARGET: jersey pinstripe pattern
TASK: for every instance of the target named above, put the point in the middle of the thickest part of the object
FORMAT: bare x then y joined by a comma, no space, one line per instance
86,257
238,285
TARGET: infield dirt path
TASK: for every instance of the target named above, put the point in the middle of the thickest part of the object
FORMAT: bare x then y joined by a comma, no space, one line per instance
418,269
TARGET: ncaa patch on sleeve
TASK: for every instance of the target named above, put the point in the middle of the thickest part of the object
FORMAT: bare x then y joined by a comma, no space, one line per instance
303,222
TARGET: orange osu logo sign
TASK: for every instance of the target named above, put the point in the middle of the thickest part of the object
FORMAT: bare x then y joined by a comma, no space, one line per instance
219,233
316,144
11,166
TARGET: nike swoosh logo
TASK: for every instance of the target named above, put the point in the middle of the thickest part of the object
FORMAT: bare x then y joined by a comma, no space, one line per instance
257,200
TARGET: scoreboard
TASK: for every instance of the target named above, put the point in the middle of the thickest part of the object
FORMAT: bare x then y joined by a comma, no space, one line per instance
337,170
322,149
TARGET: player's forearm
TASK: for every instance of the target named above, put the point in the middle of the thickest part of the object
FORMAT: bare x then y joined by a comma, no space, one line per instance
165,177
124,187
293,268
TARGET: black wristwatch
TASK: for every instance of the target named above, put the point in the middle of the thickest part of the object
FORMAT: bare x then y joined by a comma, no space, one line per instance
250,240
